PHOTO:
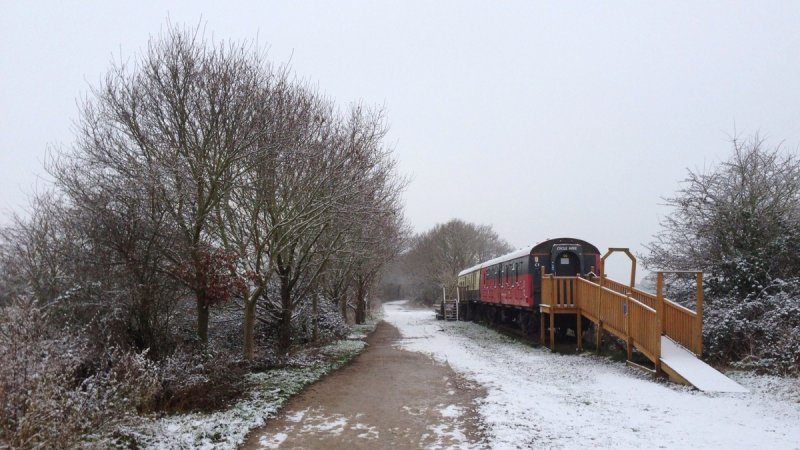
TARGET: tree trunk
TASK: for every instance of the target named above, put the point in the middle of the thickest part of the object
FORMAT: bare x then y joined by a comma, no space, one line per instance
343,307
285,324
314,319
249,328
202,316
361,310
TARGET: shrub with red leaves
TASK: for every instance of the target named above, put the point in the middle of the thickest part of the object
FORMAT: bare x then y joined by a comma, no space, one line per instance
215,272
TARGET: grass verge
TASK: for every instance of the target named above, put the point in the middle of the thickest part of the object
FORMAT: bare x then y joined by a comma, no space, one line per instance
266,393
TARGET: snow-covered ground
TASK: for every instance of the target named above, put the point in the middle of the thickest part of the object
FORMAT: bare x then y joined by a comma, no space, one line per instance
537,399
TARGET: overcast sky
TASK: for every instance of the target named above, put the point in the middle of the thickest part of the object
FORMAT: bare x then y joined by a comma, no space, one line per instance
541,119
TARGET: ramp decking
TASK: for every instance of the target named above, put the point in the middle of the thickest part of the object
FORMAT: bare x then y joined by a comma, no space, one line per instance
694,371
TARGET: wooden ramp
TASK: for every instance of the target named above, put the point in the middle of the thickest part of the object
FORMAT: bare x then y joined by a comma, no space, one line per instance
665,332
683,365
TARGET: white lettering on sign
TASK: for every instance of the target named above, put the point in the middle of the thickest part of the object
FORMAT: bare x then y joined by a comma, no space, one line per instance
568,248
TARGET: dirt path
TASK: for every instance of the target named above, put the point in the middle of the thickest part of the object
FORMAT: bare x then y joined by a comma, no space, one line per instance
386,398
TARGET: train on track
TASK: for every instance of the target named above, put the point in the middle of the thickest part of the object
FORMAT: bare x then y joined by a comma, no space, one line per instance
507,289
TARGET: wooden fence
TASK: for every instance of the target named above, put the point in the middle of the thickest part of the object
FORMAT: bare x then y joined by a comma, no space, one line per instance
679,323
560,292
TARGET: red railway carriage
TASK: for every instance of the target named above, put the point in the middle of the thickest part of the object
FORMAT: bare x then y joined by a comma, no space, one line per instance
513,281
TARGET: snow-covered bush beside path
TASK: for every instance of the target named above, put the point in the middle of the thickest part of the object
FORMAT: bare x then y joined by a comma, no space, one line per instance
759,332
266,392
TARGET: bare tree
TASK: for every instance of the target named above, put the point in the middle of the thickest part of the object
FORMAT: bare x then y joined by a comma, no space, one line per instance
264,210
740,222
28,255
177,123
339,173
437,256
373,238
198,173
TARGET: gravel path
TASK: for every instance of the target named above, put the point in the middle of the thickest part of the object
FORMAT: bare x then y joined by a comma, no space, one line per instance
386,398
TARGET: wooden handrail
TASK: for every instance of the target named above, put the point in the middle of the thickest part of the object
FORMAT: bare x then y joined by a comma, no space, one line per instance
647,308
679,307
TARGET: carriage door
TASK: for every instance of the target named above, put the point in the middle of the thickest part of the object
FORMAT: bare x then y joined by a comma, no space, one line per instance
566,260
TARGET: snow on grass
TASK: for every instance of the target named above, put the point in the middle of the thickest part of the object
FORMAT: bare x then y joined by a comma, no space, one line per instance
448,430
266,393
445,435
537,399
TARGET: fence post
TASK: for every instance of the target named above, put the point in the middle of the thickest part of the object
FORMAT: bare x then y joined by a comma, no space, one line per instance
541,328
659,317
600,296
660,302
546,293
699,319
458,301
628,339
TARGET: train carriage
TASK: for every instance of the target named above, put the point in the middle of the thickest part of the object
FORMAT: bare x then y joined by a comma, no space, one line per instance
508,288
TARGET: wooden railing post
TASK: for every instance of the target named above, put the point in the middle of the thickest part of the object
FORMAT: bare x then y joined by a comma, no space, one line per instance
579,329
599,337
541,328
458,301
699,319
660,301
544,282
659,317
543,294
628,339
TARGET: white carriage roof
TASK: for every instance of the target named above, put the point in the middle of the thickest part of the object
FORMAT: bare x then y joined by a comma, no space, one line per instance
513,255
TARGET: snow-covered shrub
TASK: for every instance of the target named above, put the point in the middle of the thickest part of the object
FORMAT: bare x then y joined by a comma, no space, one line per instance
55,390
760,332
739,223
199,379
329,322
225,329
